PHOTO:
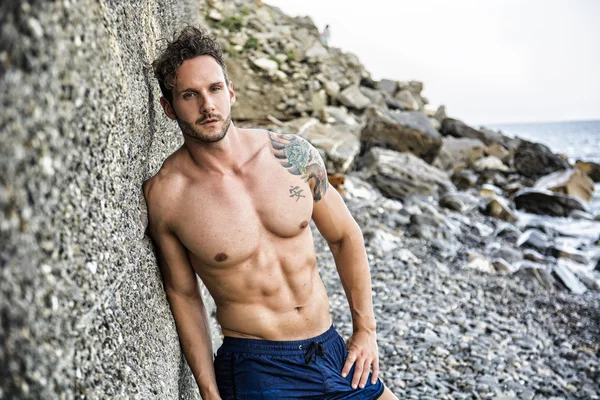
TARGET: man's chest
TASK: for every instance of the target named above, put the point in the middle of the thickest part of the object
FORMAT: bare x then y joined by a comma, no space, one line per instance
228,220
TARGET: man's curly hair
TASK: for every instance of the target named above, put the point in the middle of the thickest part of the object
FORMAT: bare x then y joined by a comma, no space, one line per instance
190,43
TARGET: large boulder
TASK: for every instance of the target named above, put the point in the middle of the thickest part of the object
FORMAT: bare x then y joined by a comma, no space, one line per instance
375,96
546,202
401,131
399,175
406,100
572,182
459,152
388,86
568,279
590,168
337,143
352,97
498,207
497,150
457,128
490,163
535,160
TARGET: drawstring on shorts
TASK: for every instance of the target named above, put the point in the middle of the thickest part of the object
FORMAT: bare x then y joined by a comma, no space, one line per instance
314,349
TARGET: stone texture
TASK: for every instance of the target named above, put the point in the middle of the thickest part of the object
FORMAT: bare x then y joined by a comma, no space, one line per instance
401,131
489,163
535,160
497,150
352,97
388,86
399,175
457,128
590,168
340,146
406,100
547,203
463,152
498,207
572,182
83,310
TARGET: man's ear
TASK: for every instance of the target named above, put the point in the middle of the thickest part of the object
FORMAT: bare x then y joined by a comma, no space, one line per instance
166,105
231,92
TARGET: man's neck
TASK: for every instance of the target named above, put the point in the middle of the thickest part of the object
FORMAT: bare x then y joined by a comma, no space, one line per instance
223,157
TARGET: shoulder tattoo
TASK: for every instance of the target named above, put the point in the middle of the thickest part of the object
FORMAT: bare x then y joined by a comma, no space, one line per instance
300,158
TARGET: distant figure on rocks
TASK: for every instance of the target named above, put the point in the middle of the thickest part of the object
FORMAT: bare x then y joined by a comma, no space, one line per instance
325,36
233,206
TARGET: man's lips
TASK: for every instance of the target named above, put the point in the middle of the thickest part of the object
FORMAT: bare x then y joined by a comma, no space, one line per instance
208,121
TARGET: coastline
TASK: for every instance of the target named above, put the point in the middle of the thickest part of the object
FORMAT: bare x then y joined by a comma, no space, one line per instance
472,300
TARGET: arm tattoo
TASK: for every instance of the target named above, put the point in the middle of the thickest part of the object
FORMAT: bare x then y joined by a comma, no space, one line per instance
300,158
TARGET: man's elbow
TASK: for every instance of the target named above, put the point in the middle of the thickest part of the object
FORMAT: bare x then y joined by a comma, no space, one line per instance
190,295
350,237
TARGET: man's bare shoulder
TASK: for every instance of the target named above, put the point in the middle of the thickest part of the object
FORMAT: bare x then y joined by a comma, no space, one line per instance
162,190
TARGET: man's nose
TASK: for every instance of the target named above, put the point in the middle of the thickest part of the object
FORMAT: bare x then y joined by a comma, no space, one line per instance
207,104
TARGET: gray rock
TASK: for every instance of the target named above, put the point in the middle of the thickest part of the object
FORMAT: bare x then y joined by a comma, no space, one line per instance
340,146
508,232
82,304
462,152
401,131
540,273
578,214
459,201
535,160
265,64
502,266
376,97
568,279
399,175
532,255
508,254
406,100
465,179
388,86
440,114
332,88
352,97
534,238
546,202
456,128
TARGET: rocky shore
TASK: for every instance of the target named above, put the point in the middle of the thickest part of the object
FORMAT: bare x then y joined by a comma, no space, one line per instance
483,248
482,287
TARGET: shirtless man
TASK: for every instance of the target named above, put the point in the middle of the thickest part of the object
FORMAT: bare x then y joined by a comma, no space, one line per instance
233,206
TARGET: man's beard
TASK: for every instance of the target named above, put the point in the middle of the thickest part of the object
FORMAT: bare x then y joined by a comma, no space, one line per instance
191,130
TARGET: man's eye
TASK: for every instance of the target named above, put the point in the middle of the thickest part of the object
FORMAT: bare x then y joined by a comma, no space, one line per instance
187,95
216,88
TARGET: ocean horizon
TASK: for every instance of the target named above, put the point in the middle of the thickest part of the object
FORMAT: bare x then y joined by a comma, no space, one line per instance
578,140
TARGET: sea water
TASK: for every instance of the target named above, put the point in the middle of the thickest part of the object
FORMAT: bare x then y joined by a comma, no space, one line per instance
578,140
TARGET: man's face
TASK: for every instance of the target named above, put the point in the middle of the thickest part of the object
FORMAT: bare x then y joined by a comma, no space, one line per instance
202,100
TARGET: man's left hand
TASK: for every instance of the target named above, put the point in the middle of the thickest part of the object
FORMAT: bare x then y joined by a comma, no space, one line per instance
363,354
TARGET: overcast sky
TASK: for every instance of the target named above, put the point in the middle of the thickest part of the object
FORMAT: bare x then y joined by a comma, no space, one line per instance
488,61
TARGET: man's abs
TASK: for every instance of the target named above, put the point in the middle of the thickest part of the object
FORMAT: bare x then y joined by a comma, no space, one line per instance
273,301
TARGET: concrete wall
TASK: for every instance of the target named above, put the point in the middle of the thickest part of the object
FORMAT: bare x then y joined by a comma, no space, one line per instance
82,309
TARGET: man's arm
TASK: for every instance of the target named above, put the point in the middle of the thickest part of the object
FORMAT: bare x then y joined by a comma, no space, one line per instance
346,242
185,299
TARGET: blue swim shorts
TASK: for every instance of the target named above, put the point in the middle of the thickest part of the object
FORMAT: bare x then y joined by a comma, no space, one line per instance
300,369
